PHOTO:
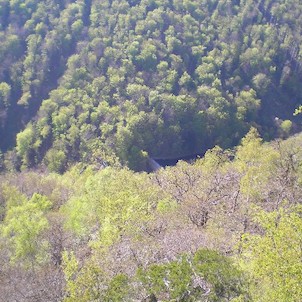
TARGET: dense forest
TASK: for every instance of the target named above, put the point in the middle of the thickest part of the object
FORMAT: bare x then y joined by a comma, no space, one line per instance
91,91
226,228
105,81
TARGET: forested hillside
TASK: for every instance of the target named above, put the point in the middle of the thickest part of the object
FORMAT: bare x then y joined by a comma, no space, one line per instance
220,229
101,81
91,91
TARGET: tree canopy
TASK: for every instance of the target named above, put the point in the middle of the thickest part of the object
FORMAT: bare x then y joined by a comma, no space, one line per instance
169,78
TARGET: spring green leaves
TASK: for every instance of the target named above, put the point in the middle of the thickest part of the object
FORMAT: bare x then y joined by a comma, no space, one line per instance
23,227
274,259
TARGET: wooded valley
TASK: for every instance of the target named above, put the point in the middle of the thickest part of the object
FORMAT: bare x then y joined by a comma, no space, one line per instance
91,90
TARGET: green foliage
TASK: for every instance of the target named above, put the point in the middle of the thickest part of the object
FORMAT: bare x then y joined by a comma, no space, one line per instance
81,284
109,83
298,110
286,127
208,275
22,227
5,91
25,141
257,163
274,258
89,283
170,79
113,203
118,289
225,228
247,104
55,160
226,280
164,280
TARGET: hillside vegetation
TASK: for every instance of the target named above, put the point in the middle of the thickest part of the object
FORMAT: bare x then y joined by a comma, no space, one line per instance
90,91
216,230
94,80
